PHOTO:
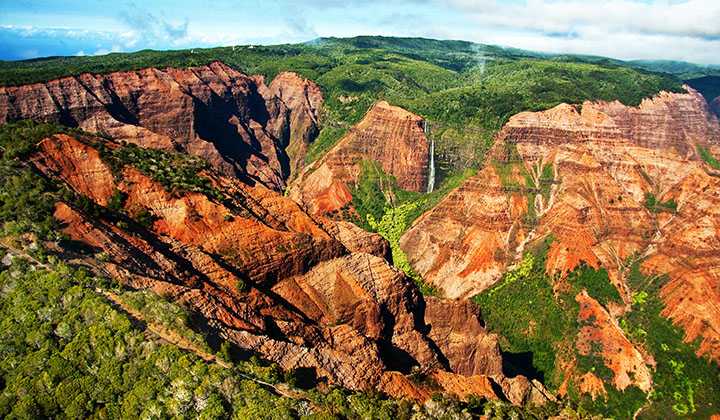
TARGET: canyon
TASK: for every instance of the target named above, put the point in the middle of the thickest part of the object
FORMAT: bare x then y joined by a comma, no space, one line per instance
295,288
288,278
611,186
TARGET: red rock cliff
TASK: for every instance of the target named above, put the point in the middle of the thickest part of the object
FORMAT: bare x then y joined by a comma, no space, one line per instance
586,172
319,293
241,126
387,134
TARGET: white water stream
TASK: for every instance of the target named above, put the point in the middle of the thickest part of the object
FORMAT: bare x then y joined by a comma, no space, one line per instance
431,167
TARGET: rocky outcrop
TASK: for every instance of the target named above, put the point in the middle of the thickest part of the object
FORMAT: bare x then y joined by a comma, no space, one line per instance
356,239
388,135
379,302
457,330
461,244
241,126
306,293
610,184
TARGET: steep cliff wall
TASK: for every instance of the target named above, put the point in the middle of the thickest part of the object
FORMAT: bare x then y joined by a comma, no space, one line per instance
387,134
460,245
301,292
610,184
241,126
585,174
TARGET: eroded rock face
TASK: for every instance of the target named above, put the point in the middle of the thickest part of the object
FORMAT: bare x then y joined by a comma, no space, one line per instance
588,174
456,328
319,294
388,135
77,165
687,250
460,244
303,100
241,126
618,353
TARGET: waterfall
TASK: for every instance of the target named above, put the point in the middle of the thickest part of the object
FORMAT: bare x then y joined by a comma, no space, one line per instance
431,167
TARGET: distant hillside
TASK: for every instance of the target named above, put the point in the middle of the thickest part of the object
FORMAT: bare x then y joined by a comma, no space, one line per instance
466,90
680,68
709,86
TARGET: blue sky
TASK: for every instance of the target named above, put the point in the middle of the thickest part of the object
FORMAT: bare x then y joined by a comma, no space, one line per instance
687,30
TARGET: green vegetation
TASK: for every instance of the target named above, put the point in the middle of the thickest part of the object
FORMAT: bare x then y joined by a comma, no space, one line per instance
117,200
176,172
325,140
426,202
19,138
391,226
508,86
68,354
684,385
655,206
522,271
708,86
389,211
617,404
708,157
26,199
530,317
596,283
369,194
523,310
466,90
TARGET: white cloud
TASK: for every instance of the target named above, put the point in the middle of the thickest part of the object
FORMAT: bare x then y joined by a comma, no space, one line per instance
693,18
103,51
149,29
686,30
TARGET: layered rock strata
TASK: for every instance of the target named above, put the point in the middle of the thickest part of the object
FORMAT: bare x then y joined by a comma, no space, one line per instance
612,185
308,294
389,136
243,127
